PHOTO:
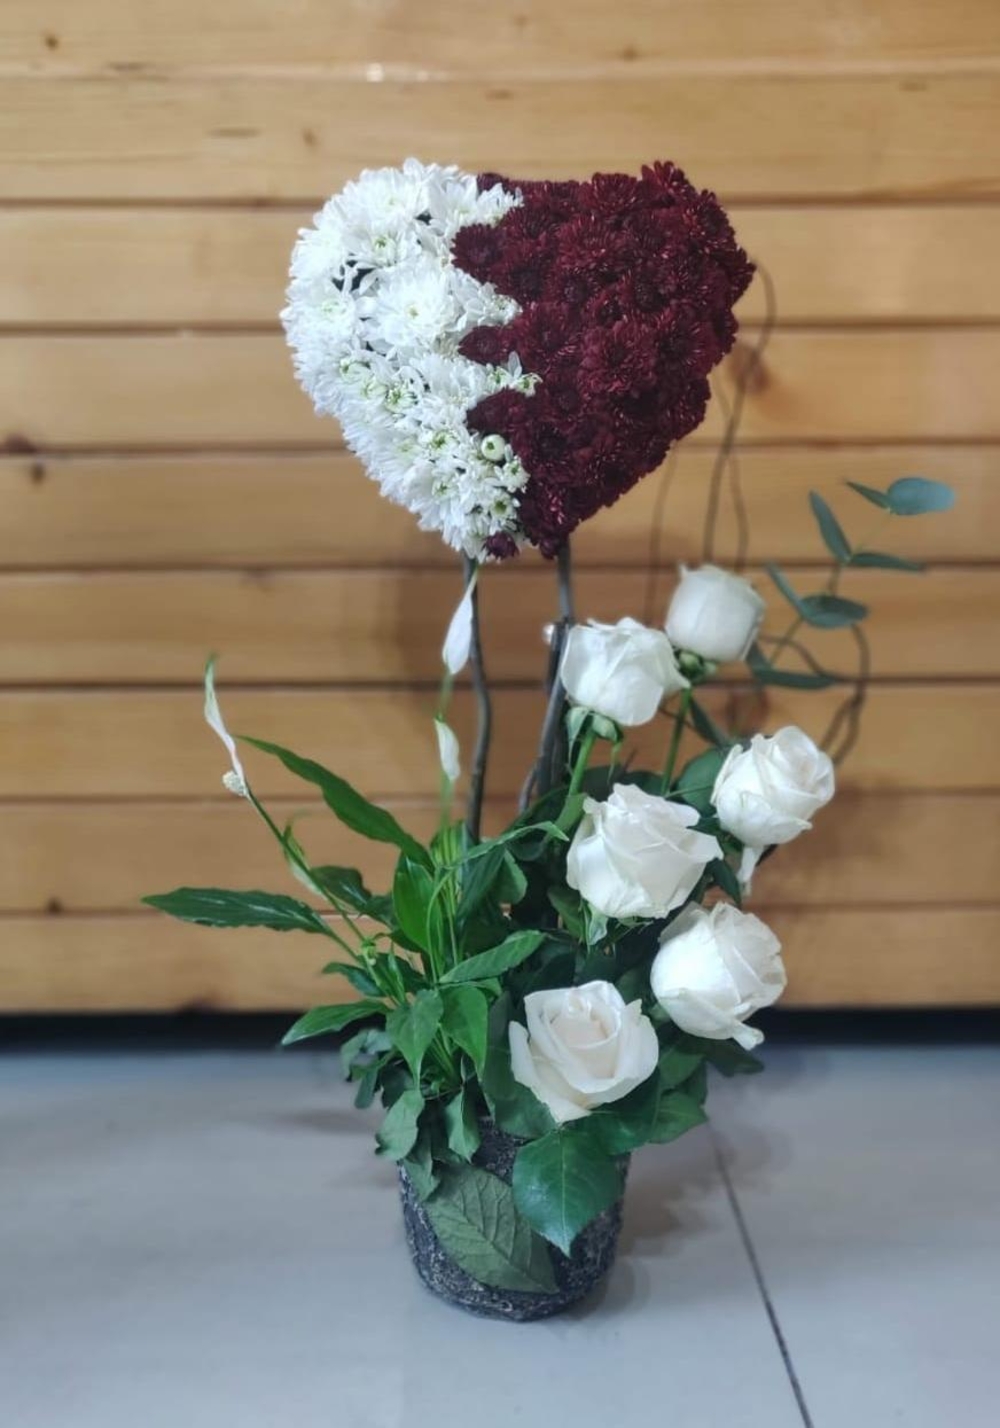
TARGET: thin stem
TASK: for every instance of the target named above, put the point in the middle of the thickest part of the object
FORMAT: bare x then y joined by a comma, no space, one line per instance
484,709
675,738
581,762
551,749
564,580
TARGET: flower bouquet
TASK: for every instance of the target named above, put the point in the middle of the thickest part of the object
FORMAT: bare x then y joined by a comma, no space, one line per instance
533,1007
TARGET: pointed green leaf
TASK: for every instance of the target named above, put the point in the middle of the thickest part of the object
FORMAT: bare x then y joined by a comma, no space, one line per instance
321,1020
564,1181
677,1063
870,493
515,1109
352,808
831,612
882,560
346,886
475,1218
219,907
725,878
414,1027
514,950
398,1133
461,1125
465,1019
765,673
676,1113
419,1166
916,496
412,900
697,778
830,529
625,1125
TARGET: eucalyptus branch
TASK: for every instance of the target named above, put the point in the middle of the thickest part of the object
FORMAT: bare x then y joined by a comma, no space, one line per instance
484,712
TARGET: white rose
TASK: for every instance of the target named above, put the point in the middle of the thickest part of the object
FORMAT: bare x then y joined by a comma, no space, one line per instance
583,1047
622,671
714,614
714,969
767,793
636,854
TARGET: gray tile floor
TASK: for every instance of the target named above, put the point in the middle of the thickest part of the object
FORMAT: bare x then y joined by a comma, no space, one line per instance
195,1239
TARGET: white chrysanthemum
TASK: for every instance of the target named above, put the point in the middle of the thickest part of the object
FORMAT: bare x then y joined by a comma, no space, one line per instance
376,311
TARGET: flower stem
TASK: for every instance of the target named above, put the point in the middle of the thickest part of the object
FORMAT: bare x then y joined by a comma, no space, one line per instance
582,760
474,814
675,739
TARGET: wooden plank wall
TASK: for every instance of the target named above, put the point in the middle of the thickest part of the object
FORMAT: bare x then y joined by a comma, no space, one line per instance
165,489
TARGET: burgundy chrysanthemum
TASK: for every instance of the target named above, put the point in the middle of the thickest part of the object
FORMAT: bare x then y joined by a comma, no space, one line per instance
626,288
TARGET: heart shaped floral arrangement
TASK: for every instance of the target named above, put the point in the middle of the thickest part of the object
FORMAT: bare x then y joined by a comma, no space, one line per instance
533,1006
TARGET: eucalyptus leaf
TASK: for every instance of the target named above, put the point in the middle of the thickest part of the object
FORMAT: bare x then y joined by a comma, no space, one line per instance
475,1218
398,1132
765,673
321,1020
831,612
564,1181
871,493
514,950
414,1027
830,529
220,907
917,496
882,560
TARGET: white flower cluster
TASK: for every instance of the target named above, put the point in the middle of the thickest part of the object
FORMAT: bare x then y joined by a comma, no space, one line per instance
376,311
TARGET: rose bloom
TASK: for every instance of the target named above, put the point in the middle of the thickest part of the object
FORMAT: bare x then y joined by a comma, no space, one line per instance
768,792
637,854
714,969
583,1047
714,614
622,671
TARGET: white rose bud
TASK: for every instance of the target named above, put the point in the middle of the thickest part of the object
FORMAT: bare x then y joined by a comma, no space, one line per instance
583,1047
714,969
622,671
636,854
767,793
714,614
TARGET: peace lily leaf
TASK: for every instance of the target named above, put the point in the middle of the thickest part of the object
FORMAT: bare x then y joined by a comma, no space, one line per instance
219,907
462,1126
882,560
321,1020
355,976
676,1113
412,894
870,493
466,1014
398,1133
475,1218
514,950
352,808
346,886
830,529
414,1027
562,1182
370,1041
917,496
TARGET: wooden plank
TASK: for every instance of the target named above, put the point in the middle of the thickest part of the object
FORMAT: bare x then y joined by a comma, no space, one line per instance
509,36
152,743
909,849
62,267
839,957
148,511
387,626
112,391
907,133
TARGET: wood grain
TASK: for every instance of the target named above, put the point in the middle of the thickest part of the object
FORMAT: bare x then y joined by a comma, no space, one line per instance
905,133
865,850
152,743
836,957
510,36
191,266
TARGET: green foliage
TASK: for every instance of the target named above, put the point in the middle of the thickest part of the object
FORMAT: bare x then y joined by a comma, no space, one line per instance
766,673
564,1181
725,878
514,950
217,907
462,1125
515,1109
420,1167
677,1062
917,496
697,778
319,1021
825,611
413,1027
871,493
676,1113
413,905
475,1218
345,887
625,1125
882,560
465,1020
830,529
726,1056
398,1133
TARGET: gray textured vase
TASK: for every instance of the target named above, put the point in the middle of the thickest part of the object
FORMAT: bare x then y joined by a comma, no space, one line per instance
576,1274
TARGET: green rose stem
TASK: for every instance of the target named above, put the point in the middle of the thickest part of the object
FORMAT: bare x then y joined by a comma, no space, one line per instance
675,738
474,813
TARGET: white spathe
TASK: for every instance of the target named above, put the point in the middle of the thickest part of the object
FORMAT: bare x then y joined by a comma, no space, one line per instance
583,1047
714,614
448,750
234,778
458,640
714,969
623,671
637,854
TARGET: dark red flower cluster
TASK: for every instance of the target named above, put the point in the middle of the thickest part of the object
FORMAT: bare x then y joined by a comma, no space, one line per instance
626,287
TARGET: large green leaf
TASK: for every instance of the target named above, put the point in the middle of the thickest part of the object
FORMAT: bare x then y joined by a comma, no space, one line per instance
677,1063
917,496
346,886
475,1218
564,1181
219,907
412,902
726,1056
830,529
514,950
462,1125
414,1027
515,1109
625,1125
398,1133
465,1019
351,807
676,1113
421,1168
321,1020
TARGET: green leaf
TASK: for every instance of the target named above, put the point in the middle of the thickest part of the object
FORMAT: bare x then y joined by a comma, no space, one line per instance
461,1125
355,976
765,673
564,1181
465,1019
370,1041
398,1133
218,907
677,1063
321,1020
514,950
882,560
831,612
676,1113
412,895
352,808
697,778
729,1058
475,1218
346,886
870,493
414,1027
916,496
625,1125
511,884
515,1109
419,1165
726,879
830,529
569,905
705,727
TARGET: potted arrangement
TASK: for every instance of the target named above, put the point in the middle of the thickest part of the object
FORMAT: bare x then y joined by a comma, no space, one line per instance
533,1007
